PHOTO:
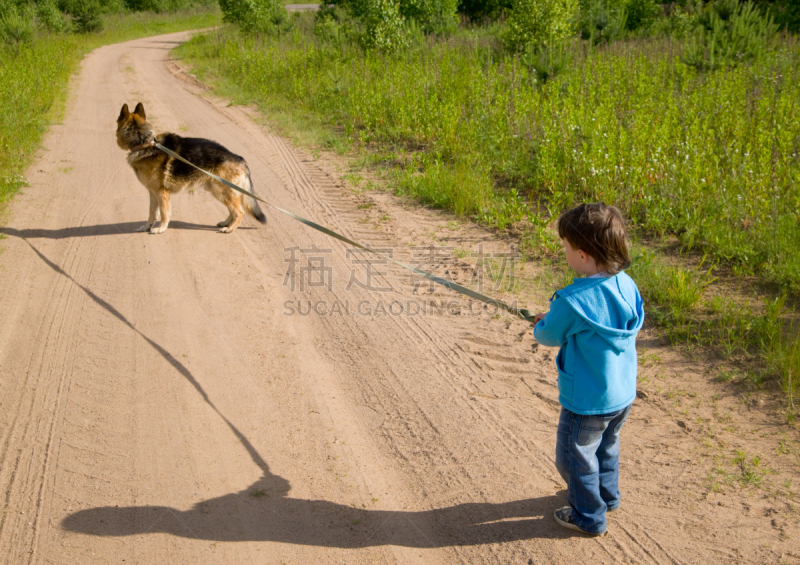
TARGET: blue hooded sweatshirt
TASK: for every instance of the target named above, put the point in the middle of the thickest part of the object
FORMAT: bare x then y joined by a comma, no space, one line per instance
595,322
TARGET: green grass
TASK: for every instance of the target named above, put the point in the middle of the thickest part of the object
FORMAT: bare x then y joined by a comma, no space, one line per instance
762,339
707,159
34,80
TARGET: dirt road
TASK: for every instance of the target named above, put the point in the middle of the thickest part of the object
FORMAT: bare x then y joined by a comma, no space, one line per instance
170,399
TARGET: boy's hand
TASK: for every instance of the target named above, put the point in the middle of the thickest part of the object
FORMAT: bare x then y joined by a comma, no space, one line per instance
539,317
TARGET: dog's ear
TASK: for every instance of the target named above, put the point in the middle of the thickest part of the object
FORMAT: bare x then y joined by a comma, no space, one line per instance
124,113
139,111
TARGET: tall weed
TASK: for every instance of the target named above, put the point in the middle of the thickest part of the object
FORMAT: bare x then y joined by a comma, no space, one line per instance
535,23
672,292
255,16
16,24
601,21
728,33
711,157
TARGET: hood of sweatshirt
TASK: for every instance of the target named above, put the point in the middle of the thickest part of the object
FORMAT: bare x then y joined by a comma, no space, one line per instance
611,306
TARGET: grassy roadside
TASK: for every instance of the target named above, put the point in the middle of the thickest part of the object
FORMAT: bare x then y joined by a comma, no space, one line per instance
34,82
709,157
708,162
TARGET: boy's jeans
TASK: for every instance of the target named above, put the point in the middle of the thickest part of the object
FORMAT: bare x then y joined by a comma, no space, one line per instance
587,456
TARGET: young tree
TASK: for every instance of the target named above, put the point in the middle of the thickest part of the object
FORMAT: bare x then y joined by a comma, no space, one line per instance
536,23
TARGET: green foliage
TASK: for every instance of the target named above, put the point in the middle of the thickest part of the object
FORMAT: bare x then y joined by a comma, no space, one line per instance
781,346
601,20
383,25
483,10
118,6
49,18
433,16
640,13
547,62
671,292
677,24
460,186
327,24
728,33
786,14
163,6
711,158
708,157
16,24
85,15
534,23
608,20
255,16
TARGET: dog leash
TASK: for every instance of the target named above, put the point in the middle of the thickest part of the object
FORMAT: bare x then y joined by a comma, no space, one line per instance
523,313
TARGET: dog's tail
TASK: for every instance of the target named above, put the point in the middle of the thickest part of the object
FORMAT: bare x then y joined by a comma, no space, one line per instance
250,203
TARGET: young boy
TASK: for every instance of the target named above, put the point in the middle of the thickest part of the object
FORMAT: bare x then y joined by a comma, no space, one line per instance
595,321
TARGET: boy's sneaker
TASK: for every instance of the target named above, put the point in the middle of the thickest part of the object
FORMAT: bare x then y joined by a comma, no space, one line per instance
564,518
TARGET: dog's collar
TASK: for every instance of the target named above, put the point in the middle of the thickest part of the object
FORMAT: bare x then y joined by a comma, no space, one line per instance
143,146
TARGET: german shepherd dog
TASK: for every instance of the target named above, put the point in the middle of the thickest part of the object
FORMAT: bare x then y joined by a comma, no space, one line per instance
162,175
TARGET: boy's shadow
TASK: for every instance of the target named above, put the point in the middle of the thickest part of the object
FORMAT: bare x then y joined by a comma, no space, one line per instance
262,512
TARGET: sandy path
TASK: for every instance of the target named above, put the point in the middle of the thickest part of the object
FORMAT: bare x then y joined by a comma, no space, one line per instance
158,406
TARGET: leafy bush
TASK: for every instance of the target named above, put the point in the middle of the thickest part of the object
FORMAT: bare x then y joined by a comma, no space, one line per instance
534,23
483,10
384,20
601,20
167,6
49,18
16,24
384,26
786,14
676,25
85,15
373,24
606,20
118,6
157,6
433,16
640,13
728,33
255,16
711,158
547,62
327,23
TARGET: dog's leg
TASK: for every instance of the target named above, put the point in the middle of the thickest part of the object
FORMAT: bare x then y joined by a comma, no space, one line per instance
163,206
232,200
221,193
225,223
236,210
151,218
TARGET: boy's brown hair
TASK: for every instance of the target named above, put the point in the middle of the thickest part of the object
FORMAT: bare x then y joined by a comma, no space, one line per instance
598,230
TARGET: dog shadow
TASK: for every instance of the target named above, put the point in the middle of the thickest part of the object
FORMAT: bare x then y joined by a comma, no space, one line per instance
102,229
